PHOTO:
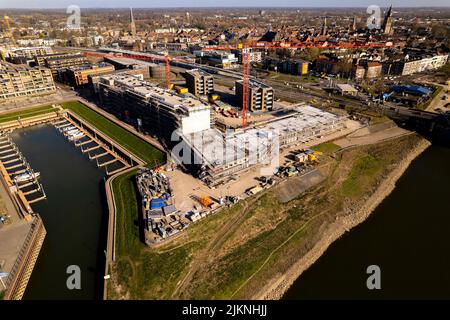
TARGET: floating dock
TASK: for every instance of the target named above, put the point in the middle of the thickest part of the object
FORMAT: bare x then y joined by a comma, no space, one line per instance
94,144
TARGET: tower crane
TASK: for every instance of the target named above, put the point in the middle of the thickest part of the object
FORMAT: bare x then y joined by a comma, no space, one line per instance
166,59
8,26
247,46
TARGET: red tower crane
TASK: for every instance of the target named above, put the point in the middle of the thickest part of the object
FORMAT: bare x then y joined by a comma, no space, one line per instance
245,50
165,59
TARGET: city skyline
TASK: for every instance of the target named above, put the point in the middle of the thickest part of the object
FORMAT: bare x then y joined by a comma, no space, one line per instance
53,4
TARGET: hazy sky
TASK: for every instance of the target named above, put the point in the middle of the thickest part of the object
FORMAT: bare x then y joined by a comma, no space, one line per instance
215,3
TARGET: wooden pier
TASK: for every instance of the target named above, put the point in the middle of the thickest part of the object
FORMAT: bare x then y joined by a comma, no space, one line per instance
93,136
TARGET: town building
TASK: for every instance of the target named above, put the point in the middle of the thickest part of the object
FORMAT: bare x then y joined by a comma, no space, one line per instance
199,82
21,80
219,59
149,69
290,66
367,70
416,64
24,55
260,96
59,62
79,75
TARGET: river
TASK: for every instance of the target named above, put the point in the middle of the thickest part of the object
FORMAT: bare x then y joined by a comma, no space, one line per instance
74,214
407,236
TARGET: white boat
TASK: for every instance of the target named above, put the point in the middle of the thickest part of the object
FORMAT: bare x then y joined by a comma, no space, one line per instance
76,136
26,176
68,128
72,132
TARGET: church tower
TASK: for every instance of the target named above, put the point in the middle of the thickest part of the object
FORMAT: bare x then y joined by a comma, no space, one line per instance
387,23
132,24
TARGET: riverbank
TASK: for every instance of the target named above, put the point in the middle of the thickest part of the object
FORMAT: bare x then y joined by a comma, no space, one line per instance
276,288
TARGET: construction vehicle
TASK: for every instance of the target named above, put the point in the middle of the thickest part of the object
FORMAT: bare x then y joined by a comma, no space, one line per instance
206,201
308,156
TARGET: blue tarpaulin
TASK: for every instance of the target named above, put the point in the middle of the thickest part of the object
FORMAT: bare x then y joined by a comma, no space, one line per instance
410,88
157,203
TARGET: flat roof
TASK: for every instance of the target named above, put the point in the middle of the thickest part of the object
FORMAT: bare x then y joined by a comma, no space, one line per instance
130,61
256,84
198,72
148,90
346,87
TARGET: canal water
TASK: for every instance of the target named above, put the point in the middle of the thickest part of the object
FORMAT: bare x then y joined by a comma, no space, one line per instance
407,237
74,214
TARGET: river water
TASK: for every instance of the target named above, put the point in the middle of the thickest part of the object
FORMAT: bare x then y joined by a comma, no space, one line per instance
407,236
74,214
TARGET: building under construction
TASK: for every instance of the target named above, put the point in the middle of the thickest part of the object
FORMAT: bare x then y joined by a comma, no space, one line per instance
154,110
219,157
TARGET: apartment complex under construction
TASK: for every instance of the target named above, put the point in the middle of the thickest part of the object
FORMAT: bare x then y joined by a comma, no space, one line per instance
219,157
21,80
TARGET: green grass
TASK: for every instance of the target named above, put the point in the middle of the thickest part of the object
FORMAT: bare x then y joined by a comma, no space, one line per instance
2,294
25,113
363,172
136,265
423,106
326,147
127,211
129,141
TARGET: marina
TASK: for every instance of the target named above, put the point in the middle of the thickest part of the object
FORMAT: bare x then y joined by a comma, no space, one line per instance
21,144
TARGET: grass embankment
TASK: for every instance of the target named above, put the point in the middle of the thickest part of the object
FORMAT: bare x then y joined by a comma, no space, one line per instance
326,147
129,141
136,265
25,113
235,253
437,91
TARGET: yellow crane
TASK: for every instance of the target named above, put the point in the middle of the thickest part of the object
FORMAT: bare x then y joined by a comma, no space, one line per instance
6,19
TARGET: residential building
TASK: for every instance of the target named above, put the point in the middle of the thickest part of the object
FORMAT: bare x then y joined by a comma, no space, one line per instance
154,110
59,62
199,82
23,55
20,80
219,158
149,69
413,65
79,75
295,67
260,96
